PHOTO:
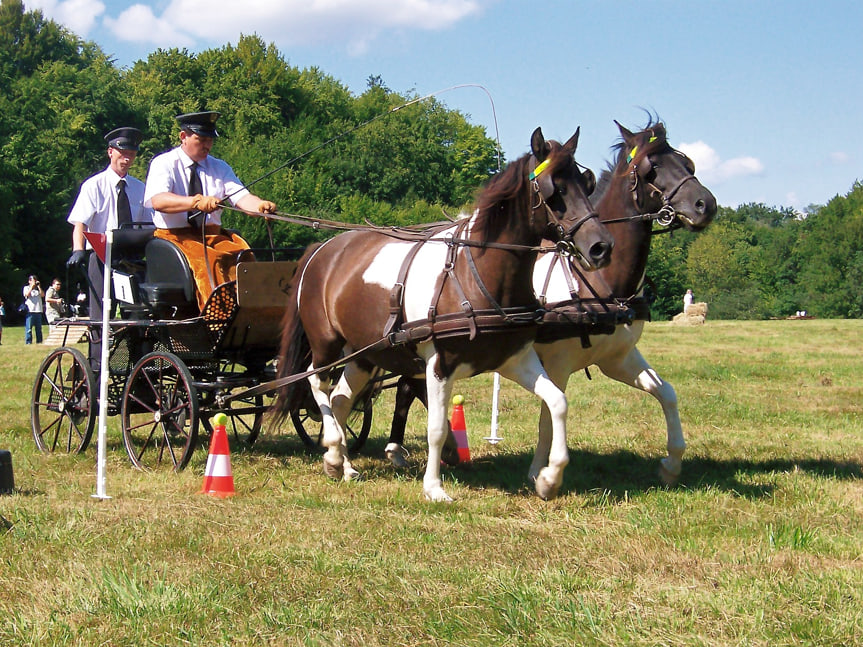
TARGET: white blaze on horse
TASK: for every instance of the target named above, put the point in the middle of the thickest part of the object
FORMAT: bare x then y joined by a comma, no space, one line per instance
444,303
650,182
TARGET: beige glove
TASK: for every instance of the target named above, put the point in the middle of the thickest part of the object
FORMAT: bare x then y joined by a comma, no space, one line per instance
267,207
205,203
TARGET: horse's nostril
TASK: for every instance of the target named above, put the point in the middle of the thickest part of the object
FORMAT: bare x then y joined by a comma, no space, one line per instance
600,252
700,207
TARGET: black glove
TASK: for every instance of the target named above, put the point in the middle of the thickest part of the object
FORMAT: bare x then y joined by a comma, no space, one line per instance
77,258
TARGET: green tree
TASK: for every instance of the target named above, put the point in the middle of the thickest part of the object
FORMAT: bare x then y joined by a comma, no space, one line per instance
59,96
828,253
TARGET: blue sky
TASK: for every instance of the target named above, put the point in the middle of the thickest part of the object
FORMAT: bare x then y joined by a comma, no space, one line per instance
766,96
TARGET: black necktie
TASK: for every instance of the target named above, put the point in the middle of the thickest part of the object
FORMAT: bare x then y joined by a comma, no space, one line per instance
195,187
124,210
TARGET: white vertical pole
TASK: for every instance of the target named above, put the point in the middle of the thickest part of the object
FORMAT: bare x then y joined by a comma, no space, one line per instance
494,439
103,372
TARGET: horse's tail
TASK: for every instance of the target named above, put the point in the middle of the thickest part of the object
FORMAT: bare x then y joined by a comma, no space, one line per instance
295,352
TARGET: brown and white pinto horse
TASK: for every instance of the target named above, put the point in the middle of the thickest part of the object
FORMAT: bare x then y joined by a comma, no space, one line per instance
347,290
649,181
649,178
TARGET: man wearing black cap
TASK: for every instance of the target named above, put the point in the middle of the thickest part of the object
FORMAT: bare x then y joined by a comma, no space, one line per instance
108,200
186,187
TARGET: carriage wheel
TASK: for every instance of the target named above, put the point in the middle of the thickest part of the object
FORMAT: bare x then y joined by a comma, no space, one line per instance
63,409
310,429
160,412
245,417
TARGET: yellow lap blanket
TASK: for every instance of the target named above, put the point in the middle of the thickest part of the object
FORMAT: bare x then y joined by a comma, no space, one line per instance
224,251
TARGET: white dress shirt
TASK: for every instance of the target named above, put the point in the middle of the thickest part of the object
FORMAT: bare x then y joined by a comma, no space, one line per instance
169,172
96,204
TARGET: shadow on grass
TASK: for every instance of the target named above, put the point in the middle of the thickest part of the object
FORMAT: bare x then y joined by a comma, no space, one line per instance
623,473
618,474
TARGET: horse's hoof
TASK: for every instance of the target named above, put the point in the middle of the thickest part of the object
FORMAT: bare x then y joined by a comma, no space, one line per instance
352,475
666,476
397,455
335,472
438,495
545,488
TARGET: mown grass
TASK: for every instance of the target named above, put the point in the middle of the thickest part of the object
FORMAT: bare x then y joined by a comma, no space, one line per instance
760,544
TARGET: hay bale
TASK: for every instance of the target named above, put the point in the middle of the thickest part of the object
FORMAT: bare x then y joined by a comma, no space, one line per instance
694,315
697,309
683,319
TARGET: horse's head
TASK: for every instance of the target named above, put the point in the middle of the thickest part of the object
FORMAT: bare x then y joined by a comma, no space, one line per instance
662,179
561,193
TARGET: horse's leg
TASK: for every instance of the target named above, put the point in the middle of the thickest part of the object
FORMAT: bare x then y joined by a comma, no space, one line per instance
526,370
409,389
332,435
555,360
342,399
633,369
438,394
406,393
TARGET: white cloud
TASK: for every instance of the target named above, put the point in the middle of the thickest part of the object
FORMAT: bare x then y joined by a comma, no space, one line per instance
352,23
139,24
78,16
714,170
840,158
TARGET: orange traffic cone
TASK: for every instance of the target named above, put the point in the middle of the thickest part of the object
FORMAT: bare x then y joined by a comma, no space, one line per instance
459,430
218,478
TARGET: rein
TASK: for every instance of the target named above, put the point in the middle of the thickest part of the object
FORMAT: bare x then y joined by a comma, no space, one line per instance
417,233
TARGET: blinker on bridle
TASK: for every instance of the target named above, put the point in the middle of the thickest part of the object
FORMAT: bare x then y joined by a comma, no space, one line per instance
564,242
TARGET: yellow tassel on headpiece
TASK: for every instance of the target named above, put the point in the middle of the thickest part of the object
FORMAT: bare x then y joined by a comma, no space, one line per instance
632,154
539,169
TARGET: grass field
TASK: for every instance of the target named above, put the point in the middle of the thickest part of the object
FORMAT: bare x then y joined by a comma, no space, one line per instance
761,543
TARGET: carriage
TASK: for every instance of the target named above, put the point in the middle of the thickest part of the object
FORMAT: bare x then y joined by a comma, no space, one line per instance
170,367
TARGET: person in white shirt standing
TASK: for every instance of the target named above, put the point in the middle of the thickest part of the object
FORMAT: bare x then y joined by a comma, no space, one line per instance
187,187
110,199
33,296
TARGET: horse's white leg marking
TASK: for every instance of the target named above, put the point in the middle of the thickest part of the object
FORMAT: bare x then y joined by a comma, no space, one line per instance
342,399
526,370
558,372
438,392
634,370
332,434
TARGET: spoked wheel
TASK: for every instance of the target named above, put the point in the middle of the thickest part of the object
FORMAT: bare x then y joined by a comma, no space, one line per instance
307,422
245,416
160,413
63,409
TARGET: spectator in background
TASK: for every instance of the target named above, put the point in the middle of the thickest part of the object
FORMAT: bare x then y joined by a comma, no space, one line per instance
687,301
53,303
33,295
2,314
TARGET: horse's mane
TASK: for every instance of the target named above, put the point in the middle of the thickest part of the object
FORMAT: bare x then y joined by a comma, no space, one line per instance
503,188
619,155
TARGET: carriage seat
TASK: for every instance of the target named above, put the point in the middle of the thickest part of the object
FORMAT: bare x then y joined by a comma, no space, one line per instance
168,288
128,248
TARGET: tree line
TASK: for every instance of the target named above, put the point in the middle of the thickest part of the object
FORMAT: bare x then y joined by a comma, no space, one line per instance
346,157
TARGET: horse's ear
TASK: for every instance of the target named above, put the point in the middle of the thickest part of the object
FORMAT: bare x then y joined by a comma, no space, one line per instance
624,132
538,146
572,143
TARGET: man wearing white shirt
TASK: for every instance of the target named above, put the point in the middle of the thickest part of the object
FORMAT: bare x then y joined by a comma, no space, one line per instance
110,199
186,187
